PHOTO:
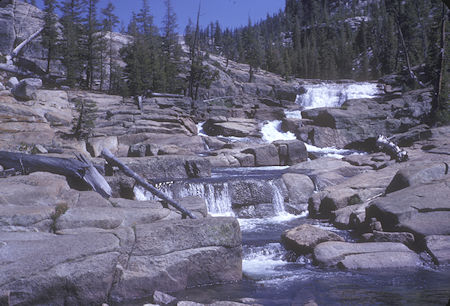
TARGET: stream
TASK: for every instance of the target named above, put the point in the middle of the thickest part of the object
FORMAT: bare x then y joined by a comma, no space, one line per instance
271,275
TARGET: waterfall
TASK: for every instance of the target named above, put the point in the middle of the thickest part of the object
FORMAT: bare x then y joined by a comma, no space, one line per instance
271,131
216,196
334,94
277,199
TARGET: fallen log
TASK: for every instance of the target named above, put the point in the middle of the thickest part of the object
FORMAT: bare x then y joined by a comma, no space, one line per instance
390,148
79,168
19,48
113,161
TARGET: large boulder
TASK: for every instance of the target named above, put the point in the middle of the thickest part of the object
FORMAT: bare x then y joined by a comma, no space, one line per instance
26,89
291,152
302,239
422,209
238,127
265,155
371,255
208,252
327,171
354,190
299,186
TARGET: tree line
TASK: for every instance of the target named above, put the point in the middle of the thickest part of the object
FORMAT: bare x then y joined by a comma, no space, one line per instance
82,39
343,39
325,39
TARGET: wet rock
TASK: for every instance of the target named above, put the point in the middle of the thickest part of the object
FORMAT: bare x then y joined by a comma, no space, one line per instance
439,248
169,167
299,186
304,238
247,192
265,155
371,255
422,209
291,152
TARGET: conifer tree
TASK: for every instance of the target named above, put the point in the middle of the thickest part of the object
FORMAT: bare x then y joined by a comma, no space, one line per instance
71,20
171,50
85,122
92,40
50,32
110,21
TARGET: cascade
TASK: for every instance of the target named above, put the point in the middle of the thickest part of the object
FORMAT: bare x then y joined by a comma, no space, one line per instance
335,94
216,194
271,131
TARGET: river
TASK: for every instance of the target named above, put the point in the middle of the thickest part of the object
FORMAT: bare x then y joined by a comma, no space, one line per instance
271,275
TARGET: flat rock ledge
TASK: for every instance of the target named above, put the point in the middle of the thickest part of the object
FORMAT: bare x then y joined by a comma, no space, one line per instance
371,255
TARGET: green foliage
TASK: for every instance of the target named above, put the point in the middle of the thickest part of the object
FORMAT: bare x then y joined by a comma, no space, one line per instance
72,18
85,122
330,39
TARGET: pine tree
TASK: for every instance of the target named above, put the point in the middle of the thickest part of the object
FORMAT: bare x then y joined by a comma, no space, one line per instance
171,50
110,21
50,32
252,49
71,20
91,48
85,122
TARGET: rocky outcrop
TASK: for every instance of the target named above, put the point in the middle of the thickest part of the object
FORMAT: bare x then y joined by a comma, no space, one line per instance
105,250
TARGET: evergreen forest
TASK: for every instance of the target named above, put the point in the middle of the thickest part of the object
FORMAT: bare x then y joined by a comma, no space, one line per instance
326,39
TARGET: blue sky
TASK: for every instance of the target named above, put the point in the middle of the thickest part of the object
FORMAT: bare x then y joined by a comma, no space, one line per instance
229,13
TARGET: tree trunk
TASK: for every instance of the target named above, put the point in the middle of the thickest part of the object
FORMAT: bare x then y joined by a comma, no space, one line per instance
79,168
441,66
391,149
113,161
17,50
405,50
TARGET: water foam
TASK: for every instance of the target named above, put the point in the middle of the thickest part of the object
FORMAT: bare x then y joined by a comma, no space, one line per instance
271,131
334,94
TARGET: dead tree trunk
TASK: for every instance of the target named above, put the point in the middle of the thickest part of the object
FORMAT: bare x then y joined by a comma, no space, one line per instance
79,168
17,50
391,149
113,161
412,75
